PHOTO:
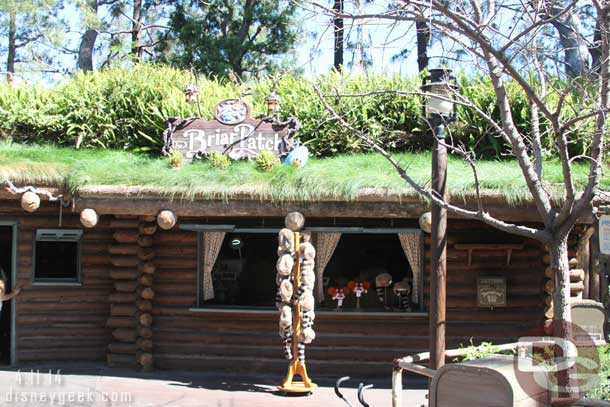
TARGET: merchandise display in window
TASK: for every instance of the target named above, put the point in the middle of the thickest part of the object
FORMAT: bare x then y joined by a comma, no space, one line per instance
368,272
364,272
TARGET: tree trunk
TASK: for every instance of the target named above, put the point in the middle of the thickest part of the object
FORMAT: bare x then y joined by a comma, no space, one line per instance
12,48
562,320
570,30
87,43
136,31
338,22
423,38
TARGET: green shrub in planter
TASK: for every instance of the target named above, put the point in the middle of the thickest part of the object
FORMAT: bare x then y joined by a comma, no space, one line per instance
219,160
175,159
265,161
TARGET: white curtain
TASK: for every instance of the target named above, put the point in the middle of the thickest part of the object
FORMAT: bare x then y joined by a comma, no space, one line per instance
326,243
412,245
212,242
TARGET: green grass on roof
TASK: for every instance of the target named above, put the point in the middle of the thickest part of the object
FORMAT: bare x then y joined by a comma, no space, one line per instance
341,177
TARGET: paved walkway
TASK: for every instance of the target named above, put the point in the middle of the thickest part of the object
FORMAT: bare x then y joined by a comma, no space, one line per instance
97,386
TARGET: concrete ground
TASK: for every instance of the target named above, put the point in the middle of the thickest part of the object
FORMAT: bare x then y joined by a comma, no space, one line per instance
99,386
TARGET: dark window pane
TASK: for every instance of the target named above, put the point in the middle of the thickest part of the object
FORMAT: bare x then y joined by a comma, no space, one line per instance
56,260
244,273
361,257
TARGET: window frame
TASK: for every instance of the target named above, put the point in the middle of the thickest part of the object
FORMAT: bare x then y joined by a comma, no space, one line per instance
200,228
60,236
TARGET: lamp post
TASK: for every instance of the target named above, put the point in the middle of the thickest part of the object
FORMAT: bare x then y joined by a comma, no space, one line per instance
439,109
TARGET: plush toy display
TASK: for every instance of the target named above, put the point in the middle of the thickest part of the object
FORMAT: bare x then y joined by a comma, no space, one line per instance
402,289
287,298
285,242
286,330
337,294
283,298
382,282
358,288
307,255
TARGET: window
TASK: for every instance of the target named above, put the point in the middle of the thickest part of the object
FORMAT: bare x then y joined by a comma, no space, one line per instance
244,271
57,256
362,257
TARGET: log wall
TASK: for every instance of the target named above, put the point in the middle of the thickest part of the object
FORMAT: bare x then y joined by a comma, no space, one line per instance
139,285
131,255
345,342
61,323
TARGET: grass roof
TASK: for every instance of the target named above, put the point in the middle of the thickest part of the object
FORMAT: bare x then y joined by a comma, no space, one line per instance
342,177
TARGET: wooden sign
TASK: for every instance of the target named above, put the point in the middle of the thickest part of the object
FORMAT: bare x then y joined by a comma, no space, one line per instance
241,141
232,132
491,292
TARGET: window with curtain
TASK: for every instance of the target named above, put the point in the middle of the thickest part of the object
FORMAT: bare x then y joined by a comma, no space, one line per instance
242,272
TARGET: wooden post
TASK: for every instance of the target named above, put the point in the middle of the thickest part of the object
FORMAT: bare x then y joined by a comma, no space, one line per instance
438,251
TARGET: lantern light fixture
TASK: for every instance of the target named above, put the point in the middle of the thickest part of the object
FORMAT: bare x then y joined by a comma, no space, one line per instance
439,92
191,93
273,104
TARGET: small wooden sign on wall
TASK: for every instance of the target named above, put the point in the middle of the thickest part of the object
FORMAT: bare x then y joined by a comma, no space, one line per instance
491,292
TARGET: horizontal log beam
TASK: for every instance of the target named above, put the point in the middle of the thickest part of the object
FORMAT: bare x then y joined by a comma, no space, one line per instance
123,347
238,208
124,261
126,274
124,335
121,322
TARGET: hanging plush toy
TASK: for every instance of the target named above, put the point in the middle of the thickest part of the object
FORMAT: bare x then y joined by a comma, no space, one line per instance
284,265
285,242
283,298
402,289
382,282
307,254
286,330
307,333
358,288
337,294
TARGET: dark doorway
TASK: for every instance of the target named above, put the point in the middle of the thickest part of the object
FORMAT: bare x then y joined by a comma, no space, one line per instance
6,261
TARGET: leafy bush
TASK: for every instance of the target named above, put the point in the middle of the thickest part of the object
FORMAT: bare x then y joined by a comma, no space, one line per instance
473,352
265,161
219,160
122,108
176,159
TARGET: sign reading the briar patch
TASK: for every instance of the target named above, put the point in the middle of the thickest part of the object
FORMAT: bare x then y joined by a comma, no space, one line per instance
491,292
233,133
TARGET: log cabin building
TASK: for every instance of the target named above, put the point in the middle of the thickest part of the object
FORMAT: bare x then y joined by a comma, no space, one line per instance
200,295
